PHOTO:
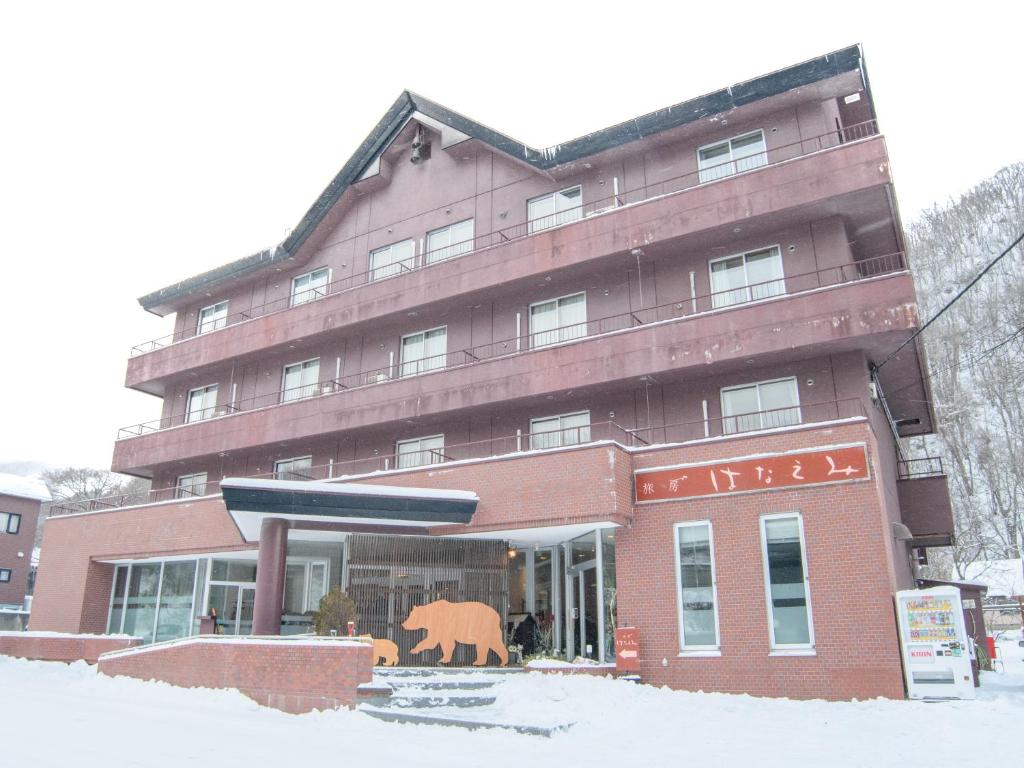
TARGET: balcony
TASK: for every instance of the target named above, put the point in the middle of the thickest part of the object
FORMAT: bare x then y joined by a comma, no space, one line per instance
925,505
807,415
810,172
679,340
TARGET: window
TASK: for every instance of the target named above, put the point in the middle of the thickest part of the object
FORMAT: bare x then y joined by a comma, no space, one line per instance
310,286
763,405
556,431
305,583
786,586
747,277
558,320
447,242
424,351
724,158
213,317
695,577
5,575
424,450
300,380
294,469
190,485
554,209
10,522
392,259
202,403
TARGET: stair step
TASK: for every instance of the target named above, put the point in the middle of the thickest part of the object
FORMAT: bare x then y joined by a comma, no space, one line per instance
442,685
388,672
406,701
394,716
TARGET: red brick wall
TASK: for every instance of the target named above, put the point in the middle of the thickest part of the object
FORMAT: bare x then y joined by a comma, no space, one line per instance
16,549
73,590
292,675
846,544
51,647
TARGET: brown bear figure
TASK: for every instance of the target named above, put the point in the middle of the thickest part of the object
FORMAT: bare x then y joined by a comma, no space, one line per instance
450,623
385,652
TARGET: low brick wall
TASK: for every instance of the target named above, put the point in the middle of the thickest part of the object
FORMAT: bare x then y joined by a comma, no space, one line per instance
294,675
59,646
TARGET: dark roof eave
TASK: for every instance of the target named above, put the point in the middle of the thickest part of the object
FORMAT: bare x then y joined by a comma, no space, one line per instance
821,68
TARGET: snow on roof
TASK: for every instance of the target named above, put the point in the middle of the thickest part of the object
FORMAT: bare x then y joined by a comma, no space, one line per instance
1004,578
24,487
356,489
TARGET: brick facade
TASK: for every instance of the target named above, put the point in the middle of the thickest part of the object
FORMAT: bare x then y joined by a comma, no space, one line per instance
292,675
47,646
16,549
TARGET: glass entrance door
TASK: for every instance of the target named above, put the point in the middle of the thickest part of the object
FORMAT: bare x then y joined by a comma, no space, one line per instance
582,614
234,606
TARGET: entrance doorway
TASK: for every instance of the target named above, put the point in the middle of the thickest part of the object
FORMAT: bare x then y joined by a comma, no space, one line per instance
234,605
581,588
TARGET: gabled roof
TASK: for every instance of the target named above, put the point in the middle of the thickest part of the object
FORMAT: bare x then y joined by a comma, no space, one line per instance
409,104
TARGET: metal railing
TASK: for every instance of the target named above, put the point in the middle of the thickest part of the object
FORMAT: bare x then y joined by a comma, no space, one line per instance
734,425
772,156
926,466
690,306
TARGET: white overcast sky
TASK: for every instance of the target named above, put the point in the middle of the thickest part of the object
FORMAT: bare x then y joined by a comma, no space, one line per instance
141,143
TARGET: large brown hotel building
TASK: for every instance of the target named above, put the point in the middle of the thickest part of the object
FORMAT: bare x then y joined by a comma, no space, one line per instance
629,380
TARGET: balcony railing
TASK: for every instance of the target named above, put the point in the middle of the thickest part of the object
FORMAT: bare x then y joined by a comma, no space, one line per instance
927,466
521,443
682,309
623,198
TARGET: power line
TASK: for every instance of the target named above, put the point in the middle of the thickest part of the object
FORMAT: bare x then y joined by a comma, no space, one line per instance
952,301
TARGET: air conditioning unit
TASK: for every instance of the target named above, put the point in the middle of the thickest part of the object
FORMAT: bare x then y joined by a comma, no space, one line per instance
377,378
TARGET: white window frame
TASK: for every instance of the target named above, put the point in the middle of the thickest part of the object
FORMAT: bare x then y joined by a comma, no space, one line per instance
304,296
5,575
684,649
440,361
395,267
285,398
419,452
760,410
784,649
560,432
206,326
206,412
308,564
180,488
450,251
564,333
728,167
556,216
747,287
278,464
6,518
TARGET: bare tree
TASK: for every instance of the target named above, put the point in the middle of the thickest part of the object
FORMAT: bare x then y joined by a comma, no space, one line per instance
975,361
81,487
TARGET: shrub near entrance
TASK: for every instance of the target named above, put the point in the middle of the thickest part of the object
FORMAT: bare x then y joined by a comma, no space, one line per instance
336,610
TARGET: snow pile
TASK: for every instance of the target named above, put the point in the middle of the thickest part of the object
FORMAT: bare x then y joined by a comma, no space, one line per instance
24,487
99,719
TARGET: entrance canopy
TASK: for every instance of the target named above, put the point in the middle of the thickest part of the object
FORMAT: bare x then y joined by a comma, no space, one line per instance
344,506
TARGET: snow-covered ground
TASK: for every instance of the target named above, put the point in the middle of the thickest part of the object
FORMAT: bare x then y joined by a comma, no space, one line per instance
58,715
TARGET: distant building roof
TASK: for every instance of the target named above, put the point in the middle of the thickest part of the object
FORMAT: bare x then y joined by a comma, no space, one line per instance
24,487
1004,578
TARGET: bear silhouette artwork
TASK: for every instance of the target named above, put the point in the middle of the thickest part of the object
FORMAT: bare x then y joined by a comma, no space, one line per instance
450,623
385,652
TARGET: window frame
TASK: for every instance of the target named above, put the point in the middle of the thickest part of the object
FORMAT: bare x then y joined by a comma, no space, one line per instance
402,362
279,462
293,295
308,564
732,160
787,649
760,410
560,431
451,246
212,409
372,270
696,650
284,377
420,451
10,517
531,228
200,330
8,572
179,488
746,287
531,334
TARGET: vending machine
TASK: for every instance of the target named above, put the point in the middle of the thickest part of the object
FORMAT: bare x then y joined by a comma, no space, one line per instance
936,654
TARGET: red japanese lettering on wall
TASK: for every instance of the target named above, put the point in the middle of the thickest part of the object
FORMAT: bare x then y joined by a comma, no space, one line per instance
825,465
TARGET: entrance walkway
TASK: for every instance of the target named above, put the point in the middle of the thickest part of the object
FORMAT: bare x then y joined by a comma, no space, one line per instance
466,698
